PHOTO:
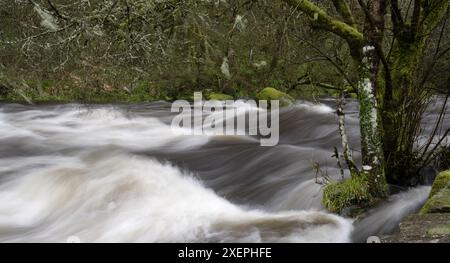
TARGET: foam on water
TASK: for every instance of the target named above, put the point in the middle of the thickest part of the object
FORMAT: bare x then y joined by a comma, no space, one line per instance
117,197
119,174
107,126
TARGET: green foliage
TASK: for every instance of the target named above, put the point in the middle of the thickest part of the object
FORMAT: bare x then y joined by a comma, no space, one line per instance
147,91
219,96
355,191
35,90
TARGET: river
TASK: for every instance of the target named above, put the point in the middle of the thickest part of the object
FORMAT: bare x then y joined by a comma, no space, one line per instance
117,173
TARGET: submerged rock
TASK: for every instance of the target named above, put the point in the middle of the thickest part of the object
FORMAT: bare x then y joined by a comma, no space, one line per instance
274,94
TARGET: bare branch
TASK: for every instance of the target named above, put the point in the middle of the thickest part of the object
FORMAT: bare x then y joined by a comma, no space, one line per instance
56,11
397,18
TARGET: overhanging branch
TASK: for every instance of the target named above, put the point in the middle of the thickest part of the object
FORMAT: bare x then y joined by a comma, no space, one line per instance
344,10
318,15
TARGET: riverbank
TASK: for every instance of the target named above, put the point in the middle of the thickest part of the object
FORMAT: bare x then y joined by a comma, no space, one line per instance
74,89
41,92
432,223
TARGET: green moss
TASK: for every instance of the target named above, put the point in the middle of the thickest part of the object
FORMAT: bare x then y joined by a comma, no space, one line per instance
439,199
274,94
439,230
442,181
219,96
438,203
320,16
338,196
146,91
353,95
73,93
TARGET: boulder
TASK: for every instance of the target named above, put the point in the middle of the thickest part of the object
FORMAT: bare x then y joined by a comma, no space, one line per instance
432,224
442,181
439,199
274,94
438,203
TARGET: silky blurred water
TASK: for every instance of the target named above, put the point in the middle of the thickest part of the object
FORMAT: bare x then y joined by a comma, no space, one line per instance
110,173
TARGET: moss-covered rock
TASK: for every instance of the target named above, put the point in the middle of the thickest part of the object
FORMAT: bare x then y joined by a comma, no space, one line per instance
354,192
439,203
442,181
432,224
219,96
274,94
439,199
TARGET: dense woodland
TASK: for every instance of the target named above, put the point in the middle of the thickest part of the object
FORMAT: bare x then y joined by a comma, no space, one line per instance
138,50
390,55
147,50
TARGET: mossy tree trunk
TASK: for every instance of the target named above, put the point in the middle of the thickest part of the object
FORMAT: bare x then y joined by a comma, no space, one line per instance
404,98
403,105
391,102
373,162
364,54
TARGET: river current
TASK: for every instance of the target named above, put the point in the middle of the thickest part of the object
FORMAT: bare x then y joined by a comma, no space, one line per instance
117,173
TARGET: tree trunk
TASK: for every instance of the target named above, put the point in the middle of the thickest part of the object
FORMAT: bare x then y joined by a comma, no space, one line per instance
344,138
391,107
402,112
371,141
404,99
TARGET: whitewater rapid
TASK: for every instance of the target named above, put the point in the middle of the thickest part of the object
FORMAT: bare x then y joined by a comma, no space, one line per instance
118,173
101,174
116,197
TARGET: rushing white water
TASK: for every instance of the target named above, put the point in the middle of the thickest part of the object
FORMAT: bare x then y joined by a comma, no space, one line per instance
82,127
384,219
70,171
115,197
119,174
